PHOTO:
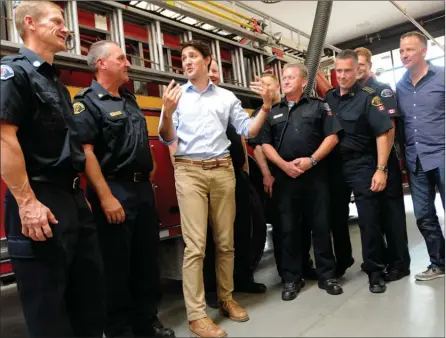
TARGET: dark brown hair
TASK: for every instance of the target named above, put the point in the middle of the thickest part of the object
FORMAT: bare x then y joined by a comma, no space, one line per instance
199,45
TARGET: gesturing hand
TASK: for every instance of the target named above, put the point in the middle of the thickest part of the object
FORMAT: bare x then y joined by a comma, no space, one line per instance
259,88
171,97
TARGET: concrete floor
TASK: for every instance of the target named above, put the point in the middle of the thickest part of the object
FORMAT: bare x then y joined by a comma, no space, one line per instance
408,308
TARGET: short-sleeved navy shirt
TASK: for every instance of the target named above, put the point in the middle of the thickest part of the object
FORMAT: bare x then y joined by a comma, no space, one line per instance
363,117
299,131
34,100
116,127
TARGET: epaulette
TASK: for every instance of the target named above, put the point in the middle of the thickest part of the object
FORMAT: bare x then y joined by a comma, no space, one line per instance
369,90
12,58
82,93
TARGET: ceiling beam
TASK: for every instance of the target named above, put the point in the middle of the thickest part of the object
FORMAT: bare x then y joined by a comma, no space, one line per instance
389,38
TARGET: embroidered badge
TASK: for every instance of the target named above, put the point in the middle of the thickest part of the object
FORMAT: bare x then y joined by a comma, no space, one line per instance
6,72
392,111
376,101
381,108
115,113
386,93
277,116
78,108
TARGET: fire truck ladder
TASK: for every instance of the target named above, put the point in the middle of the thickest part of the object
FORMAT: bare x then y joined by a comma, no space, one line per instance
236,33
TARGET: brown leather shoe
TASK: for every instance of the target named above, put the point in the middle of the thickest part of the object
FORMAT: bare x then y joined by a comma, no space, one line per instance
205,328
231,309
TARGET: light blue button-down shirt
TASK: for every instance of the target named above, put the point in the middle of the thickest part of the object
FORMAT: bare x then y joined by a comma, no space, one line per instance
201,120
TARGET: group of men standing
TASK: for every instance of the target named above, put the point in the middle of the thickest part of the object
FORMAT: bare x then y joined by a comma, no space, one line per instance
322,152
85,269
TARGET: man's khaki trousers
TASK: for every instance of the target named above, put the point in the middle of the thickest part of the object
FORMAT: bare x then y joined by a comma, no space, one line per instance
203,192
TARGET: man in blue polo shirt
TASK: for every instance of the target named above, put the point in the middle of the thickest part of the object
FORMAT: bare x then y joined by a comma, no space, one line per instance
420,97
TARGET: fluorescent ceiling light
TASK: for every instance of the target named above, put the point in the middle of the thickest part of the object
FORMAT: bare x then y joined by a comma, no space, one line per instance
207,27
189,21
141,4
168,13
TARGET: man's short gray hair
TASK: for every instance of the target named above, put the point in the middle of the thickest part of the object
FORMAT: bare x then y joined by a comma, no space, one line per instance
347,54
301,67
98,50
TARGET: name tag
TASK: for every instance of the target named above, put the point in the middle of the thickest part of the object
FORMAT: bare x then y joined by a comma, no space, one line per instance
115,113
277,116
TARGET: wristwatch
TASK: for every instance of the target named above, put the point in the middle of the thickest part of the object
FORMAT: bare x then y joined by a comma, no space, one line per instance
382,168
313,161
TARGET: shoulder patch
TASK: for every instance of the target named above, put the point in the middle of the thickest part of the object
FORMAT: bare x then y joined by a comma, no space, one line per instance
78,108
82,92
386,93
369,90
376,101
6,72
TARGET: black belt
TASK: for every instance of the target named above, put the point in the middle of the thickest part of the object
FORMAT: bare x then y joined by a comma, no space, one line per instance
69,183
128,177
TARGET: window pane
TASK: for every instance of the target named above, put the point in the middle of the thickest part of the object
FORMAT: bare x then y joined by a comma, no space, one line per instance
396,58
433,50
387,78
381,62
438,62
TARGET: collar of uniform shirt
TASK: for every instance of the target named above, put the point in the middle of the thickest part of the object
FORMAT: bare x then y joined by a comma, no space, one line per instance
189,86
285,102
353,90
35,59
103,93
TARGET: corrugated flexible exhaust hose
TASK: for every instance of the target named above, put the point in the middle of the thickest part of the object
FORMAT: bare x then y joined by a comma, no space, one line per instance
317,41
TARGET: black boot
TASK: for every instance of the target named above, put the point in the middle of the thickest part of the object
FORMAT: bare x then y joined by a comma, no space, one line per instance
291,289
377,284
331,286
